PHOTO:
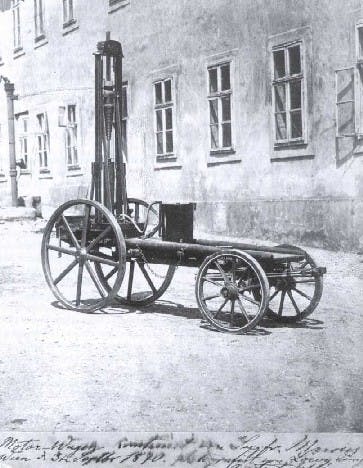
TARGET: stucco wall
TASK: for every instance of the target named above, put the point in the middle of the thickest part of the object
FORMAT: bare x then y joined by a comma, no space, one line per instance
293,194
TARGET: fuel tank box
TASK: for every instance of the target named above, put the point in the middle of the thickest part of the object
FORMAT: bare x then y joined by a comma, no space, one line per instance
177,222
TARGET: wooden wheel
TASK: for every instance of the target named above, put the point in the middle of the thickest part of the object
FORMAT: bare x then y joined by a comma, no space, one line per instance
142,213
143,283
224,291
80,235
296,291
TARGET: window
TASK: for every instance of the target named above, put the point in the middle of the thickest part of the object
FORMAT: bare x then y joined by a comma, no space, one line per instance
42,142
124,117
68,13
164,106
219,97
287,93
39,19
24,143
16,24
71,138
117,3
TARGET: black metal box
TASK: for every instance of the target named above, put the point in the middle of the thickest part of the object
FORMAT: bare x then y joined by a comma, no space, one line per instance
177,222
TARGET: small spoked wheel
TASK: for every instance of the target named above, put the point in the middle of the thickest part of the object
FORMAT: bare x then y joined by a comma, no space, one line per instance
296,291
144,214
143,283
225,288
79,236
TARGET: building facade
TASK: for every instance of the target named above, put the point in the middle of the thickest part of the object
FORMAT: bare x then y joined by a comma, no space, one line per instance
252,109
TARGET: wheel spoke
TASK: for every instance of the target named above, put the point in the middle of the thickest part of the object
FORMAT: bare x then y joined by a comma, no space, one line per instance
79,284
223,273
243,310
298,312
274,295
147,277
106,261
95,279
232,314
249,299
71,233
281,302
220,308
111,273
303,294
131,279
85,225
208,298
61,249
99,238
212,282
65,272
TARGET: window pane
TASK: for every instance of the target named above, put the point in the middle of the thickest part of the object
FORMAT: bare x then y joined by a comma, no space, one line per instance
296,124
75,155
167,85
227,139
69,156
226,108
279,64
226,83
213,86
295,95
280,120
295,60
159,120
345,85
346,118
280,98
25,147
124,102
169,142
360,42
39,142
159,143
158,95
168,118
214,140
213,106
25,125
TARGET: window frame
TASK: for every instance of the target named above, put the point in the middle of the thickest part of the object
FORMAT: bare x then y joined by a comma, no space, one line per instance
24,137
39,30
71,131
163,107
287,80
219,95
42,144
17,35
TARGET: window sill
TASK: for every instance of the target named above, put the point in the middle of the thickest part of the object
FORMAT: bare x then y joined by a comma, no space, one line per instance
222,152
74,171
70,26
117,6
166,157
297,157
45,174
40,41
18,52
1,62
166,162
25,172
3,177
218,162
290,145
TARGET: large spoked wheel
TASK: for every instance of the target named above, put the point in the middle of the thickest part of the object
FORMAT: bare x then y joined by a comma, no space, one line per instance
143,283
296,291
142,213
81,235
224,290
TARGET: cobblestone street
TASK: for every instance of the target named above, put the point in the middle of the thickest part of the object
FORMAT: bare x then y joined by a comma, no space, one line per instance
159,369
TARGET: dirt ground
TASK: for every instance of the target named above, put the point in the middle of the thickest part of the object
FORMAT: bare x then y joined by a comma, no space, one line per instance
160,369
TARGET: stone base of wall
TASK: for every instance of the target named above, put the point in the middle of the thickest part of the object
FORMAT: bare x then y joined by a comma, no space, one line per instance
328,223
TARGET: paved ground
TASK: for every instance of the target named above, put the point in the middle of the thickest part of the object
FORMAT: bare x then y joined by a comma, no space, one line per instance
158,369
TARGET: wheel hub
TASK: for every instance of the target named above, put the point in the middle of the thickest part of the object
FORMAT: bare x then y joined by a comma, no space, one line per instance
286,284
230,291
